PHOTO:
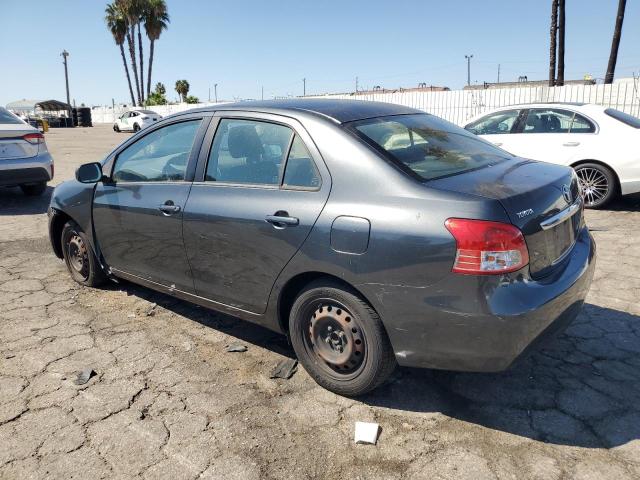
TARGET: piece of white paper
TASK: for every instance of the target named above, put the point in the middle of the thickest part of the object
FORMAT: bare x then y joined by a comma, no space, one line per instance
367,433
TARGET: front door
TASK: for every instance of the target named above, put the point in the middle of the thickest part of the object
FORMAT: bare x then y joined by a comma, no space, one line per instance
263,187
497,128
137,215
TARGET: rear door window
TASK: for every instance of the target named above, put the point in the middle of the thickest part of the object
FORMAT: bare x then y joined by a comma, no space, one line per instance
301,171
248,152
160,156
551,120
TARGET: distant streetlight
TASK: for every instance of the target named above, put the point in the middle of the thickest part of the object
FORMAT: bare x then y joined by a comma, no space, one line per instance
64,55
468,57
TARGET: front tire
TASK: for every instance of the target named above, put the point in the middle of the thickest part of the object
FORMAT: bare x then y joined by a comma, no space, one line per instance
34,190
116,128
339,339
598,184
79,257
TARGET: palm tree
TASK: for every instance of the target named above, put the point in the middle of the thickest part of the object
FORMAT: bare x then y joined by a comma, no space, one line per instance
560,79
615,43
156,19
131,10
118,27
160,88
182,87
552,48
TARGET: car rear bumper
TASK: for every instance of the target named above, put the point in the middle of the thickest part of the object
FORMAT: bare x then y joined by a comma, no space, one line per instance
22,171
483,323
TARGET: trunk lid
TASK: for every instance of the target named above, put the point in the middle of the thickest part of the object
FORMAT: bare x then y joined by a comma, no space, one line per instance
541,199
12,145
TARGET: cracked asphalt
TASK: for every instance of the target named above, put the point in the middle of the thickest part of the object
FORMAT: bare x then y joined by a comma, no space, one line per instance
167,400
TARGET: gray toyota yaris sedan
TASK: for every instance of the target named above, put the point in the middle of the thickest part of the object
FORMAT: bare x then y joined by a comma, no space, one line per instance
372,234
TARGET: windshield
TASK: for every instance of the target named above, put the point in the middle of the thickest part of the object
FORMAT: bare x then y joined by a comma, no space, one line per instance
7,117
623,117
147,112
428,146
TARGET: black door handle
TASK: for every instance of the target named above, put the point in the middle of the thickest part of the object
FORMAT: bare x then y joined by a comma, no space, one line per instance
281,220
169,208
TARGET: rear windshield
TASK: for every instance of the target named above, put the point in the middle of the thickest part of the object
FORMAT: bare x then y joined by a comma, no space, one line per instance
7,117
623,117
428,146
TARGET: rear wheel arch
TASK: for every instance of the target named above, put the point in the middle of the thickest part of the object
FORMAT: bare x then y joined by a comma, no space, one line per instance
296,284
604,164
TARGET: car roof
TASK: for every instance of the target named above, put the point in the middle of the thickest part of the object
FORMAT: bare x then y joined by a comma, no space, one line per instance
338,110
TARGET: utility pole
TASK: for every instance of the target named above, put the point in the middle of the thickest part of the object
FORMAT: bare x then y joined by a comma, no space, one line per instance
65,54
468,57
209,95
215,90
262,94
498,73
304,87
356,84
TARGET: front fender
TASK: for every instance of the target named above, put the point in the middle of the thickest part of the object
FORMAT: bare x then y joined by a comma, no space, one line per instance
72,199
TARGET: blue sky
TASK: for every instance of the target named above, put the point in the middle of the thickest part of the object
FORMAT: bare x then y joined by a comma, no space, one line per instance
243,45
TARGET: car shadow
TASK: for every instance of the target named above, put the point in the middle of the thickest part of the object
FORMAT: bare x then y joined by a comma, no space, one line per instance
581,388
244,331
14,202
628,203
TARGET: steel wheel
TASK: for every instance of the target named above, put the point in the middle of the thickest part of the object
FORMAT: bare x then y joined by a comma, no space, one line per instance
336,338
598,184
78,256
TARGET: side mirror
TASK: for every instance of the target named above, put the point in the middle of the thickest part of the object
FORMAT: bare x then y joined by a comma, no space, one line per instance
89,173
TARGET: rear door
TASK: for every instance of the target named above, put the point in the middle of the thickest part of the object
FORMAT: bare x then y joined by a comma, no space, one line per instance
137,214
553,135
260,186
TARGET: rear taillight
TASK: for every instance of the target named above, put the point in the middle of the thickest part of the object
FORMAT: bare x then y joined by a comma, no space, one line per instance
484,247
34,138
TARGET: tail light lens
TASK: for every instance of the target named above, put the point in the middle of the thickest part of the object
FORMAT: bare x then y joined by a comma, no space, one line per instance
34,138
485,247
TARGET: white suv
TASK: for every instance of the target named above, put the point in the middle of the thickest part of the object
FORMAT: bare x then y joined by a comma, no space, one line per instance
135,120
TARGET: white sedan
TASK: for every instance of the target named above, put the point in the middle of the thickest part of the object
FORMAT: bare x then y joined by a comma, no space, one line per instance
600,143
135,120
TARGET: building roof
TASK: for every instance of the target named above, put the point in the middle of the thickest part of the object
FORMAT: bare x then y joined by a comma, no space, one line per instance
340,111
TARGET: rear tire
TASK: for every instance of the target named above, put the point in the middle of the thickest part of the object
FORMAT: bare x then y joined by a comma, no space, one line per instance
339,339
34,190
79,257
136,127
598,184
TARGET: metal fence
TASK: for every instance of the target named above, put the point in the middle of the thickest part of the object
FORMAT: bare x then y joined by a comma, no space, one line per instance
457,106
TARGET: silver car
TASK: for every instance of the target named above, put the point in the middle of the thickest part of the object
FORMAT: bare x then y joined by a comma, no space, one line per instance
25,161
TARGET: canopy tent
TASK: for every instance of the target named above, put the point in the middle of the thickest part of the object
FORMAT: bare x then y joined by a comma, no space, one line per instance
53,106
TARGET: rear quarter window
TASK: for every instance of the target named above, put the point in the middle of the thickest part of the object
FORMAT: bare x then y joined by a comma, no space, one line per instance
623,117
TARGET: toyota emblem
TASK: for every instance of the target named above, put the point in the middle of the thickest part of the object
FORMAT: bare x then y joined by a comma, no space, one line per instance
566,193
